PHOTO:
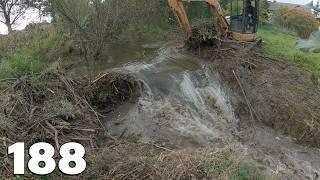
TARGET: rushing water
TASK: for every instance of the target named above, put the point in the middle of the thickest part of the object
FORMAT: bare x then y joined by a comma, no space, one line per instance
185,103
182,101
310,45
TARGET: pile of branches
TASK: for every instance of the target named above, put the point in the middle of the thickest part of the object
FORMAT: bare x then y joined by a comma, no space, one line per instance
49,108
56,109
204,33
111,89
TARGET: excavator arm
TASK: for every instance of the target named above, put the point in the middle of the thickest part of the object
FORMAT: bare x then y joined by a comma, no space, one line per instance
178,10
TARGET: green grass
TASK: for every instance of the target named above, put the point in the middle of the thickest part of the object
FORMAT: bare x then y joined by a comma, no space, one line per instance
248,171
282,45
30,54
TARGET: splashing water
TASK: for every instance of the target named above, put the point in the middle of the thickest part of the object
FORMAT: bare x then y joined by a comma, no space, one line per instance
180,101
310,45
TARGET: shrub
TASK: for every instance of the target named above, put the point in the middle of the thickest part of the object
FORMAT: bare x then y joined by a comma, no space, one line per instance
296,19
28,52
97,23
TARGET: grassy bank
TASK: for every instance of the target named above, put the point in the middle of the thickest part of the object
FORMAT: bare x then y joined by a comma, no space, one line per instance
282,45
28,52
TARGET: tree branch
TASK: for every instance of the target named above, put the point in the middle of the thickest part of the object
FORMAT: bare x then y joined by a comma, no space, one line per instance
12,10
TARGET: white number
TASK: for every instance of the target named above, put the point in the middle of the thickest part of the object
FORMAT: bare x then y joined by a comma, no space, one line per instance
72,154
41,161
18,158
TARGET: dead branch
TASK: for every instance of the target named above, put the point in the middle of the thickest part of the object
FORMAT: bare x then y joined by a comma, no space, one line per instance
56,134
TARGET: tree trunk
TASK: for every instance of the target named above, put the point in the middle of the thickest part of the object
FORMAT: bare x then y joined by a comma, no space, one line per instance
8,22
9,26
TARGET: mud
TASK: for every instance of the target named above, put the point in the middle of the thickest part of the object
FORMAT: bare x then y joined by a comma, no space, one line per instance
283,96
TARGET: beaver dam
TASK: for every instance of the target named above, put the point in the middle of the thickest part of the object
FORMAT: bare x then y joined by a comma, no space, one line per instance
219,113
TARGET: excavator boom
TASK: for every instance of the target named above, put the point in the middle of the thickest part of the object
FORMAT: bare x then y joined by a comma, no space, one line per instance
178,10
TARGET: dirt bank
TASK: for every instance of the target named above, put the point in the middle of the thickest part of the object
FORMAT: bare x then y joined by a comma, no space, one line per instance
269,91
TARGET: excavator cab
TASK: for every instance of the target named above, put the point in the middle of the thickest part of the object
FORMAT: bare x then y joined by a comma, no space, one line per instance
244,19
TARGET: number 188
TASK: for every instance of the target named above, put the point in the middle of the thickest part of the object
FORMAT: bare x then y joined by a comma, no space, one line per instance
41,158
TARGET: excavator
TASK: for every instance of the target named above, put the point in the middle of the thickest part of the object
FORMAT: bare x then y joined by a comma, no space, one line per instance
241,26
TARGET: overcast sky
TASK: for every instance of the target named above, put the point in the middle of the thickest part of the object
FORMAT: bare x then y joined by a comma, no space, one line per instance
303,2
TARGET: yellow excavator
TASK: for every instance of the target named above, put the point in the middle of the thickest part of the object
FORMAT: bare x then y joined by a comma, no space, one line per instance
242,25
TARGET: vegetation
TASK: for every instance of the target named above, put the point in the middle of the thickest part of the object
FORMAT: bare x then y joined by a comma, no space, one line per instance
90,25
303,112
97,23
135,161
28,53
282,45
87,27
296,19
263,12
11,11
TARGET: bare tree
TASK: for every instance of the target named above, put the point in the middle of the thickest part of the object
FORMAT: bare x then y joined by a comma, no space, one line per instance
11,11
95,23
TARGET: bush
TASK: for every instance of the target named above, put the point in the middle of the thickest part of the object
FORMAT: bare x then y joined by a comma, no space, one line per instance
296,19
28,52
97,23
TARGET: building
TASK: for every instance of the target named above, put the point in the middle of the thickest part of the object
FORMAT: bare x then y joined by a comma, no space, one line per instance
316,8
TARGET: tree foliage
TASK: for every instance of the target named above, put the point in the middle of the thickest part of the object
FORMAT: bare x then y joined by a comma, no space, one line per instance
263,11
296,19
96,23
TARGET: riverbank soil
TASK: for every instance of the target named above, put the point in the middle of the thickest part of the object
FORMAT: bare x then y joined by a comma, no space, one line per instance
269,91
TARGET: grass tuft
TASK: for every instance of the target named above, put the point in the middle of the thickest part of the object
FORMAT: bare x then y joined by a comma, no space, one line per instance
26,53
282,45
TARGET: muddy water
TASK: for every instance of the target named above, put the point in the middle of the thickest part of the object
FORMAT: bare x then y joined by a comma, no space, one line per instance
185,103
182,102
